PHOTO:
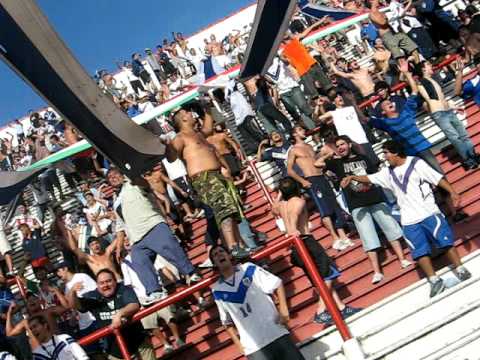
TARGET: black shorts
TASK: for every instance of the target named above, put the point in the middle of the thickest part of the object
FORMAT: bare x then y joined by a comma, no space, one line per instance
233,163
145,76
282,348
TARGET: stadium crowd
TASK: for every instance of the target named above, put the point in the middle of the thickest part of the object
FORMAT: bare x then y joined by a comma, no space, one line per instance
124,242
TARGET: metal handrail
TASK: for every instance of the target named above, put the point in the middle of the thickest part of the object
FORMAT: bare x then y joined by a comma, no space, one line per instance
296,241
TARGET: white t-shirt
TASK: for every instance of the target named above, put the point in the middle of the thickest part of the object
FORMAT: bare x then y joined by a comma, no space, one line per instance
410,183
98,210
240,107
346,122
175,169
84,319
6,356
60,347
130,278
281,76
244,300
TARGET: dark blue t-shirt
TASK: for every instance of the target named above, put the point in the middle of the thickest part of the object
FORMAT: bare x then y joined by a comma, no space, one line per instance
34,246
403,129
279,156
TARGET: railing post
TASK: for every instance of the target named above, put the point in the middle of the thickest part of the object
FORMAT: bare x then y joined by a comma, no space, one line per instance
351,347
260,182
121,344
322,288
20,286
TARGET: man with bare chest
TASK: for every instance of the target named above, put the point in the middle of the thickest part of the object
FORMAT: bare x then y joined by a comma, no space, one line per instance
360,77
225,146
302,158
98,258
444,116
204,165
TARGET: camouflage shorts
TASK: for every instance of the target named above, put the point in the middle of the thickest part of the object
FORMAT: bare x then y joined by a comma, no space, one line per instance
213,190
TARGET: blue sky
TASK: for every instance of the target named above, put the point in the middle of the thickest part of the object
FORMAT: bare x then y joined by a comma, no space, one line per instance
102,31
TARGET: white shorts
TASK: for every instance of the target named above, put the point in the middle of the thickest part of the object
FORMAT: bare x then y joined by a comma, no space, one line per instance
151,321
4,244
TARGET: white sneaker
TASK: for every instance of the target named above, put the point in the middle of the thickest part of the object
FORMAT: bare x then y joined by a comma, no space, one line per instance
167,349
339,245
192,279
377,277
206,264
152,298
405,263
347,242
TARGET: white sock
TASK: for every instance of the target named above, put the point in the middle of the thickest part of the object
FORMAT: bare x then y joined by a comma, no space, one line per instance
460,269
433,279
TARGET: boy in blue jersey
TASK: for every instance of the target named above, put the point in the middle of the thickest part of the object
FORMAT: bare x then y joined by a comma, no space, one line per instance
402,125
411,180
471,87
243,298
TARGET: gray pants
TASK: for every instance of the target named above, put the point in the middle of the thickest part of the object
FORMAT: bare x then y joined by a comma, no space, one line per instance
295,99
430,159
281,349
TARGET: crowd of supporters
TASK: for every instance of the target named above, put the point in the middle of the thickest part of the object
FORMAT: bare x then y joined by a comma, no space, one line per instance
124,242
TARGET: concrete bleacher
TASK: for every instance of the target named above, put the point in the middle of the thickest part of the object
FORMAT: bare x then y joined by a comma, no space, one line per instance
204,335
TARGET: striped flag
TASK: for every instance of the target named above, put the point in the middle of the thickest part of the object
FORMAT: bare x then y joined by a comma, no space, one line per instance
319,11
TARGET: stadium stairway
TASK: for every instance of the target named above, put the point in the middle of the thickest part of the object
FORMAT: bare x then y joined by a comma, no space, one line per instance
205,337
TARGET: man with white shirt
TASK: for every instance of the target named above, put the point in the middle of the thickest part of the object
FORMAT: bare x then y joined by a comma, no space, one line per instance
151,322
244,119
58,347
346,122
411,180
288,90
243,298
82,283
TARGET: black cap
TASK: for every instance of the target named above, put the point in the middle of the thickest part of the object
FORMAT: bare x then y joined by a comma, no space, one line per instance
61,265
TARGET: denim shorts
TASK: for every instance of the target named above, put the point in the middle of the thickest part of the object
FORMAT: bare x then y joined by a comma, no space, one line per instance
365,219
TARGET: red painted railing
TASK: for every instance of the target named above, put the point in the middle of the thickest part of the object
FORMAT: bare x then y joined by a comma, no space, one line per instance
289,241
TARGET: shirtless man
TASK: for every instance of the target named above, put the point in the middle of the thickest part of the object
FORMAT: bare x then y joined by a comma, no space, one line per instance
224,144
99,258
215,48
158,181
204,169
361,77
303,156
399,44
381,56
292,208
444,116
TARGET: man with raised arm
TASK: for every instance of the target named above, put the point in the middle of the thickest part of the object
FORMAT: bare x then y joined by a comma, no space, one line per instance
204,169
411,179
99,258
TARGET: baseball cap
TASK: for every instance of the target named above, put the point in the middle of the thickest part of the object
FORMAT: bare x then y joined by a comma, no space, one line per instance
61,265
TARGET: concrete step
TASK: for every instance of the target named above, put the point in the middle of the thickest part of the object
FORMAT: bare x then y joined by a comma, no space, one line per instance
403,318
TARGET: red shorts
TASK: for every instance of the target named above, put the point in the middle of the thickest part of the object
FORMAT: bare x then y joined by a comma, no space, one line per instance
40,262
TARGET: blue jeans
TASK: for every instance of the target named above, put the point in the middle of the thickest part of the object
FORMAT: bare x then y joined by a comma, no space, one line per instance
246,233
161,241
364,217
456,133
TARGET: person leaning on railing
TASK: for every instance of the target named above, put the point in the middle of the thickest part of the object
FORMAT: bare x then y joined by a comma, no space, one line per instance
113,305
